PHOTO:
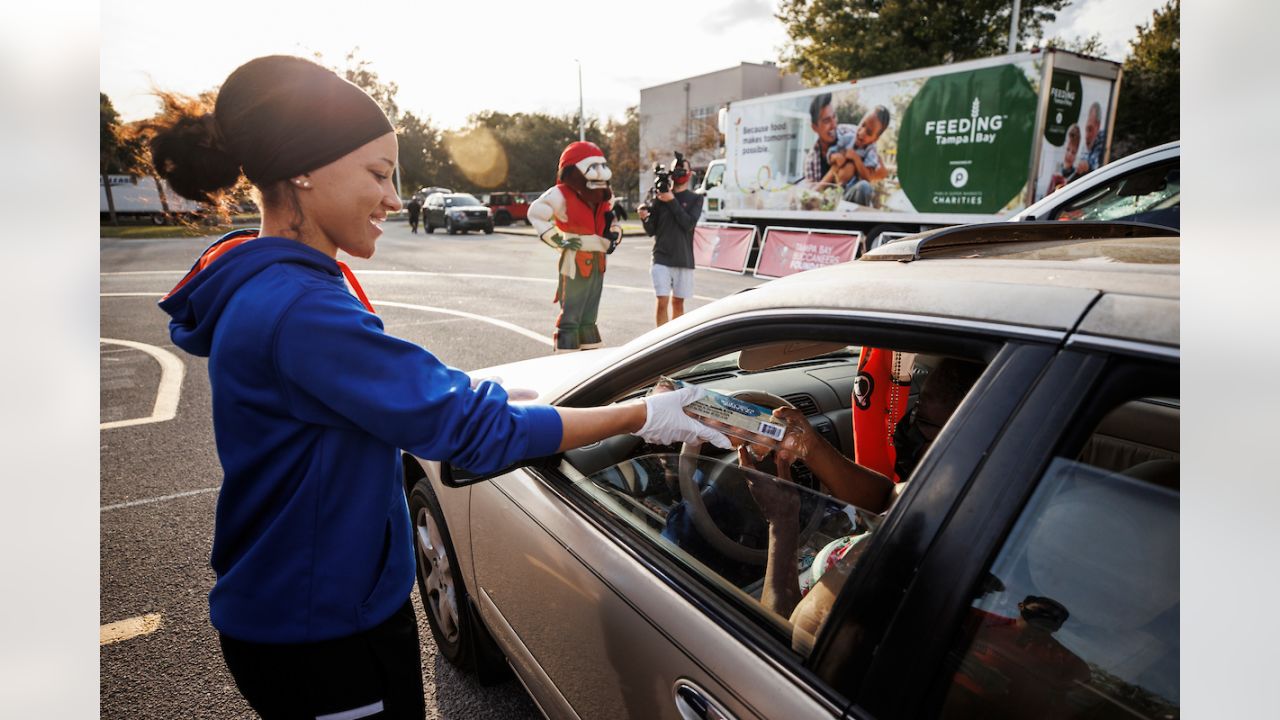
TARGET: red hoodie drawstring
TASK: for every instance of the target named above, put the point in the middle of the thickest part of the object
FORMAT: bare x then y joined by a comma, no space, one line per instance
235,239
355,286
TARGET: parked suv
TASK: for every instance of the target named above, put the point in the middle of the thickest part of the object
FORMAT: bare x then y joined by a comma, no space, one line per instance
508,207
456,212
1024,563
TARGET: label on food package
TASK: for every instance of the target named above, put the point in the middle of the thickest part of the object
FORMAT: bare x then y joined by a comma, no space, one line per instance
731,416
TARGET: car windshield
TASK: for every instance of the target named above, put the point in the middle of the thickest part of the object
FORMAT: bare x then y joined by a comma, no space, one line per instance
1148,195
460,201
720,520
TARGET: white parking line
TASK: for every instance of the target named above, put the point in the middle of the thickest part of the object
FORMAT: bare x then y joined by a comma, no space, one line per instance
162,498
408,306
133,627
423,273
540,337
167,395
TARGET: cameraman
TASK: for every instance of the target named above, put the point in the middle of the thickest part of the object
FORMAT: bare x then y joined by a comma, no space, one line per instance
669,217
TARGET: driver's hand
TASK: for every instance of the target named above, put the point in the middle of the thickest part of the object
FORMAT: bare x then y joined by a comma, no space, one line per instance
778,502
666,423
801,439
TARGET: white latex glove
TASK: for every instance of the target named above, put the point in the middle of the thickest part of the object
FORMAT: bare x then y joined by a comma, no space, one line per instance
665,421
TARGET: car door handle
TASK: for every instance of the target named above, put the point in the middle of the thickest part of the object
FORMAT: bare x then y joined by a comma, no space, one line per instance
693,703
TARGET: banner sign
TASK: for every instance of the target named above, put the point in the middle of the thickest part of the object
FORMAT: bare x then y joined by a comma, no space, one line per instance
723,247
942,143
1075,132
787,251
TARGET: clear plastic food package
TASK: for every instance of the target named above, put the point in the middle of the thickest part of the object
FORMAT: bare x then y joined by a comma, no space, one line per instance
743,420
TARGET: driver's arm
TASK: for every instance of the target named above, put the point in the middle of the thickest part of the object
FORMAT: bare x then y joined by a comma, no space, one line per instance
847,480
780,506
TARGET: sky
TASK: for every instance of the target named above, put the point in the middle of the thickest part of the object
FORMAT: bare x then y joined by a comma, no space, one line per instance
452,59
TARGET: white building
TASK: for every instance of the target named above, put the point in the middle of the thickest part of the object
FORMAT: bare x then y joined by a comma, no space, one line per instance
681,115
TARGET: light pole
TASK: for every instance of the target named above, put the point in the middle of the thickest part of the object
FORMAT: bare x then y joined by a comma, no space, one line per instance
582,119
1013,26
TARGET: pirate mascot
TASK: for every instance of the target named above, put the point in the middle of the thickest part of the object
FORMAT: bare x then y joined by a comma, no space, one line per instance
575,218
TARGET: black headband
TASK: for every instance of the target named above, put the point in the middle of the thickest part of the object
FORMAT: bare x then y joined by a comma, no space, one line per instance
282,116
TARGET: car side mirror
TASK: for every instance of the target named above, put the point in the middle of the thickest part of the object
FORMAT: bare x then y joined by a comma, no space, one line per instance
455,476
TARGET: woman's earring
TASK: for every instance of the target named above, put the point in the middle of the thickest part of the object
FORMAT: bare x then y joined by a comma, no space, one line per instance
302,183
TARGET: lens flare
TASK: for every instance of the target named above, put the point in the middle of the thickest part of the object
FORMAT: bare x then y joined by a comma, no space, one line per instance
479,155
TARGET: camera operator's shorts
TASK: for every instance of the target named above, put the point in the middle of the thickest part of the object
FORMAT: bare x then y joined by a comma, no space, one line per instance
668,280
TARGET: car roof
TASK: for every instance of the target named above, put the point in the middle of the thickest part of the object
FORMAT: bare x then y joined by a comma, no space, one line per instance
1121,288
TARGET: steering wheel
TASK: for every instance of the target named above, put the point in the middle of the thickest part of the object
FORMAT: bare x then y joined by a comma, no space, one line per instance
690,453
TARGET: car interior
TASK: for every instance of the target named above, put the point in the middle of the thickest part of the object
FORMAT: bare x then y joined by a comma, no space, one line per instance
711,514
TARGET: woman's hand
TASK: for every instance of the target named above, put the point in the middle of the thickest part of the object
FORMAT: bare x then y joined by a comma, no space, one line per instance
665,421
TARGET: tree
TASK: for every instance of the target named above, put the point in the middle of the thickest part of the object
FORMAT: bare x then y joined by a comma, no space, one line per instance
1148,111
1090,45
837,40
423,158
623,152
360,72
530,143
119,151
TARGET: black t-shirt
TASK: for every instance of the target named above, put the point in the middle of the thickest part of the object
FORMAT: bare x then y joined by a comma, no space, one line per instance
671,225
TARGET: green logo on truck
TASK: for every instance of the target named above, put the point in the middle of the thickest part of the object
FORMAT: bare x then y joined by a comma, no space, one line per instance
965,143
1065,95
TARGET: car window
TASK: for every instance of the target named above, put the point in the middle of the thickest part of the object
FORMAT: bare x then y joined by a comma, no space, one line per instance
1151,194
736,528
1078,614
720,521
461,201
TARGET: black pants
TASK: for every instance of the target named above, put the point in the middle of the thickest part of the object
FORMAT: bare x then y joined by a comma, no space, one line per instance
347,677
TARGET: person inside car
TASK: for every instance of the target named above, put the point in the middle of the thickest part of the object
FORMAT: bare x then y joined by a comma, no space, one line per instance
807,600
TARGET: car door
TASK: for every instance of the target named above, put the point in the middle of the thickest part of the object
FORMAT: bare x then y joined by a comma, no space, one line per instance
1052,590
602,620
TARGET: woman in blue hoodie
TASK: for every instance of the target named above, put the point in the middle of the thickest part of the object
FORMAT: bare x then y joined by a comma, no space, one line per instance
312,400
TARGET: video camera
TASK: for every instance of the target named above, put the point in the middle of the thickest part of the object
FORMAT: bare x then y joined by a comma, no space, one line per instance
662,178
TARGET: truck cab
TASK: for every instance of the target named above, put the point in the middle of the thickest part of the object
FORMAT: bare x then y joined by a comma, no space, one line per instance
712,191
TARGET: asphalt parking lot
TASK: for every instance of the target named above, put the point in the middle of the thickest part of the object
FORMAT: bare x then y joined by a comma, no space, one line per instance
473,300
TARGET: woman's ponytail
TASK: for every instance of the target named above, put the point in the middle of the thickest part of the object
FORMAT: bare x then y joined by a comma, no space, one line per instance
189,151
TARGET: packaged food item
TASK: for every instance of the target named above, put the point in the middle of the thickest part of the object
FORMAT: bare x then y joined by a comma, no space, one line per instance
738,418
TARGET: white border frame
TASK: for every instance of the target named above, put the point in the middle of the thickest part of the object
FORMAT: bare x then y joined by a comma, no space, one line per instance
746,260
860,243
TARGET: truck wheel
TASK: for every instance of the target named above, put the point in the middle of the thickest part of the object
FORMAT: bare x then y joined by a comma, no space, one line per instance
448,225
426,224
502,218
488,229
159,219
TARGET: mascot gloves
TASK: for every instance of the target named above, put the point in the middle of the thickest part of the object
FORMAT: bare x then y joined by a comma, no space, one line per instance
560,241
665,421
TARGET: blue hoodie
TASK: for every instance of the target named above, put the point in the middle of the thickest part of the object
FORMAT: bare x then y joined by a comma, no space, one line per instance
311,399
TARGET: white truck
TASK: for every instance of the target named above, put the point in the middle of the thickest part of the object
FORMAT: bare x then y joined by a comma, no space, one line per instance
968,142
139,198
